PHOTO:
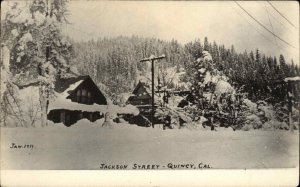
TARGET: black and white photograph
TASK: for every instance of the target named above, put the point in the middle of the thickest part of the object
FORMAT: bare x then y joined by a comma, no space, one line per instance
149,85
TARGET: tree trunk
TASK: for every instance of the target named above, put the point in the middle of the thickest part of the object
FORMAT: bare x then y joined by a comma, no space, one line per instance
43,103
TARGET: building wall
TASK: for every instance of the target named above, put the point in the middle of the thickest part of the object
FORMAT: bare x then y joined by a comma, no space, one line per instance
141,97
88,93
69,117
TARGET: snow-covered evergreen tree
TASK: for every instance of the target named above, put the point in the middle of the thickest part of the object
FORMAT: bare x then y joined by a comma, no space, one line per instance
38,51
214,97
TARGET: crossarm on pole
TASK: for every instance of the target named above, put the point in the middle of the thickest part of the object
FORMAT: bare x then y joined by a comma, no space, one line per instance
154,58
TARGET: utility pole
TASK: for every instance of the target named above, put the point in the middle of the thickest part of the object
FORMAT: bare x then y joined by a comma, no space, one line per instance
290,105
292,87
152,58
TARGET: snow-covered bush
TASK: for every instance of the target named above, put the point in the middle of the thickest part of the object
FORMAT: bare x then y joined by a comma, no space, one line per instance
251,106
247,127
254,121
295,114
284,126
230,106
296,125
262,115
206,56
272,124
268,125
213,92
20,107
281,112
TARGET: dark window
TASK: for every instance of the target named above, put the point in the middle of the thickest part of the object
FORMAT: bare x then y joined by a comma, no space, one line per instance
80,116
90,99
91,116
68,119
62,116
78,94
84,96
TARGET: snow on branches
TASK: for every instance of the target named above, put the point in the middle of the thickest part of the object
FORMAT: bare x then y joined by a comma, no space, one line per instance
38,52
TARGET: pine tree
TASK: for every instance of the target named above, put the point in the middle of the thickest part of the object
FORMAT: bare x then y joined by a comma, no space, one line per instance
206,44
292,69
215,52
194,48
38,46
252,56
283,67
257,57
222,51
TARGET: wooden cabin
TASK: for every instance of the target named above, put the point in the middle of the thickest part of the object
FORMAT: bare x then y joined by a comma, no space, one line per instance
142,100
142,95
76,99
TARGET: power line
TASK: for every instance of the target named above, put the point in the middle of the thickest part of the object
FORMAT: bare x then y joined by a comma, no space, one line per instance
271,23
285,26
282,15
266,38
264,26
277,20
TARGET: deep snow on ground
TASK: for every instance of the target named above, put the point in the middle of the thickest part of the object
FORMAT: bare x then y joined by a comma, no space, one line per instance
87,145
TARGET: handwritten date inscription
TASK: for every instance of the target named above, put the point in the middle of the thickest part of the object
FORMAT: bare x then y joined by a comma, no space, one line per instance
21,146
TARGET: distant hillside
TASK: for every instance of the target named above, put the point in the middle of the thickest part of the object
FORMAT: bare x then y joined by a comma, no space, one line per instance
115,63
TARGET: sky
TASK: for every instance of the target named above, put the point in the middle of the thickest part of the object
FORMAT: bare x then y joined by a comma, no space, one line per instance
221,21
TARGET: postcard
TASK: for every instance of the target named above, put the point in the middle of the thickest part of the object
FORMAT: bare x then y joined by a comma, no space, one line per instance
125,93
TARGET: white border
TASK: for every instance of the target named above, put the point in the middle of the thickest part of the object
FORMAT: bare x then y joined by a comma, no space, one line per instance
269,177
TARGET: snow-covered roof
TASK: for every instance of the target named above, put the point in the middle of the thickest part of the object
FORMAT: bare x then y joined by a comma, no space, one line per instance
292,79
144,84
67,104
22,86
68,84
64,87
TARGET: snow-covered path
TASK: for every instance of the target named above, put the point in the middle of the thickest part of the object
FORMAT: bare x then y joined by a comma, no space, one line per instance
88,146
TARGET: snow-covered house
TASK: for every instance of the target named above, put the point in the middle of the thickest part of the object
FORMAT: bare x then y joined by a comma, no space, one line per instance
76,98
141,95
141,98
